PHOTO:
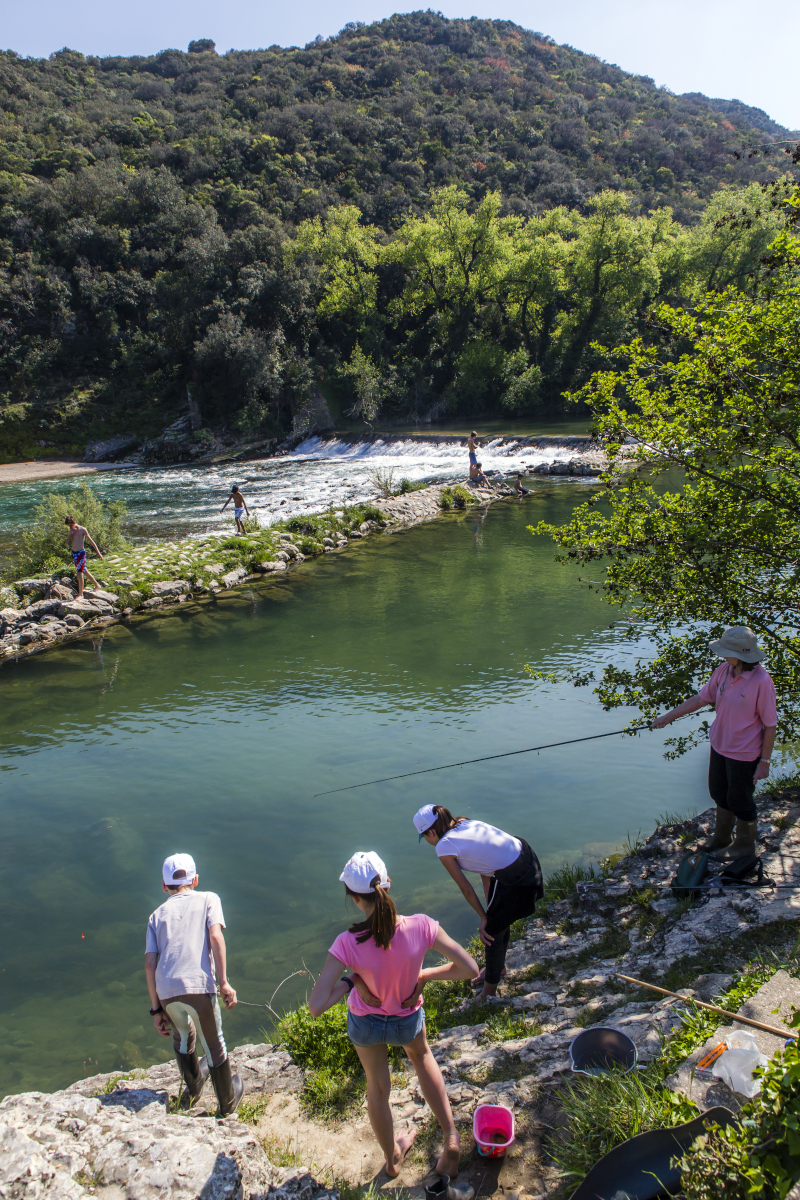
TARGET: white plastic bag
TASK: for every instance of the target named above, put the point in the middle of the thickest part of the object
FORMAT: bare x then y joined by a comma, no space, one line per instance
735,1065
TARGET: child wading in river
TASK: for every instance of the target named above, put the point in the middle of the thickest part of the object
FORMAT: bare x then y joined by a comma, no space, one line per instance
384,1000
75,540
239,506
183,936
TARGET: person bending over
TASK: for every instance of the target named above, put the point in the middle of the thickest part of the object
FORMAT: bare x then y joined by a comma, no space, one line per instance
75,540
519,489
184,935
742,737
509,870
384,1001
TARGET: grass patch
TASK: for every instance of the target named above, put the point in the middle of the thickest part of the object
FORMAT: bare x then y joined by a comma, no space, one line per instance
252,1109
502,1027
456,497
614,942
407,485
111,1085
592,1016
608,1109
332,1095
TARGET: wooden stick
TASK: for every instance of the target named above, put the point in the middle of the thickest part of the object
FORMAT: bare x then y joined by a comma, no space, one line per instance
781,1033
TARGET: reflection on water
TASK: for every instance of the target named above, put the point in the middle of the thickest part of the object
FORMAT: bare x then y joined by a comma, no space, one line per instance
213,731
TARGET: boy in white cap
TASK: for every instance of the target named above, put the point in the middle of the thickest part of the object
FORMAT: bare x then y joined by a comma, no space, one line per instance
184,943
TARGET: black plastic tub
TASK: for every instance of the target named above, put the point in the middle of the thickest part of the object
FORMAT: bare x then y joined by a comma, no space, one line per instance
602,1049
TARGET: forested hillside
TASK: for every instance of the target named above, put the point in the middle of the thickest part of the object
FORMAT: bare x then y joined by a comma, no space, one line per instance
179,220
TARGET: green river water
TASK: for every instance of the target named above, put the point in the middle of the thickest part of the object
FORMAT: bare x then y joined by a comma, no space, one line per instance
212,730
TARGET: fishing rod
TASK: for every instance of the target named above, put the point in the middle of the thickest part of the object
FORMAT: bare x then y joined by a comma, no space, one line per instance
468,762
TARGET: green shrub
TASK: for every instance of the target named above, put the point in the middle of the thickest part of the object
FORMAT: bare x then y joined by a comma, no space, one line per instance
45,541
317,1042
446,499
407,485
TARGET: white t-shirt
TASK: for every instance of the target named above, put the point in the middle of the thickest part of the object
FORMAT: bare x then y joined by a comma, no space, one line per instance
178,932
480,847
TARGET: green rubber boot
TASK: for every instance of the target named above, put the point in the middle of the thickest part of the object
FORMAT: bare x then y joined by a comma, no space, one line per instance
194,1073
723,831
745,840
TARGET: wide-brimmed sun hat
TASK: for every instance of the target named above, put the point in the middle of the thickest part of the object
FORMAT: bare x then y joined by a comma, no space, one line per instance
738,642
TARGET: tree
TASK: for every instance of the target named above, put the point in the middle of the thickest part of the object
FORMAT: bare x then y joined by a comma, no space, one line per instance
697,525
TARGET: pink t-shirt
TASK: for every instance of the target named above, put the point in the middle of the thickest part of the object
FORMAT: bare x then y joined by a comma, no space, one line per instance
744,705
391,974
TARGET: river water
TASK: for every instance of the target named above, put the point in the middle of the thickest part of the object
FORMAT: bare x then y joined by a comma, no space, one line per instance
215,730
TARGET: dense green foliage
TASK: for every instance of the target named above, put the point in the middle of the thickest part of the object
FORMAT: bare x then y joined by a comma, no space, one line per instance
44,541
716,542
148,206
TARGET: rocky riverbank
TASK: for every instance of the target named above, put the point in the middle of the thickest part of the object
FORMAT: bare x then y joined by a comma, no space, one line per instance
123,1137
158,578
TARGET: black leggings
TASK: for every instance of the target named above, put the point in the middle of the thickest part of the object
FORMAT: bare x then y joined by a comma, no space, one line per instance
731,785
514,892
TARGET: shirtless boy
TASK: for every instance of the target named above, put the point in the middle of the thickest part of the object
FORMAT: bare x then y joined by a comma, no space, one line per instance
75,541
519,489
239,506
477,476
472,446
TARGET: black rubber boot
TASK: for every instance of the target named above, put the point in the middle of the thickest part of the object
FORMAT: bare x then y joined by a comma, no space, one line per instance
228,1087
194,1073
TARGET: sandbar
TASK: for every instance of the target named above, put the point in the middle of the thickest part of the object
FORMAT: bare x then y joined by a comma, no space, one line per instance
54,468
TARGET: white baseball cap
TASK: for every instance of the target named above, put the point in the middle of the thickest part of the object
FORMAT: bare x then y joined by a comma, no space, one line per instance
178,869
362,869
424,819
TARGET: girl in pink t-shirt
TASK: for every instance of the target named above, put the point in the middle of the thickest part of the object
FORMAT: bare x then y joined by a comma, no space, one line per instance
384,999
742,737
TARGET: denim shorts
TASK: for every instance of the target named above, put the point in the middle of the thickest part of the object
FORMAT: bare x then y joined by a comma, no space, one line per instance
380,1030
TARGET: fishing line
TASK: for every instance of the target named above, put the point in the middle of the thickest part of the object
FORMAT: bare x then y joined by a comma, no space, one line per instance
485,758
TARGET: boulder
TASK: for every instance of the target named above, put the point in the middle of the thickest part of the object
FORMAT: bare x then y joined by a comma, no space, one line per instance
109,448
8,617
356,533
171,587
237,575
269,567
214,568
81,607
9,598
26,586
59,591
73,621
326,541
107,597
43,607
156,602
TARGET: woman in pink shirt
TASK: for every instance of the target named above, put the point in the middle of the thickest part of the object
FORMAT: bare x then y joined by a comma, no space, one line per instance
385,1002
742,737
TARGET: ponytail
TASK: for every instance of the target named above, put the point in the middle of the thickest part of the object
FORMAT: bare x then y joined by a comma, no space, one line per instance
445,821
382,923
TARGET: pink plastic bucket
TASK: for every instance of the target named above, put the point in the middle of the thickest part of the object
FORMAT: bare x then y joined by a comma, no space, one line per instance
493,1129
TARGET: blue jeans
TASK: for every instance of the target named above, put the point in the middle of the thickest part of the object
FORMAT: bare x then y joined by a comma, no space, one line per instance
380,1030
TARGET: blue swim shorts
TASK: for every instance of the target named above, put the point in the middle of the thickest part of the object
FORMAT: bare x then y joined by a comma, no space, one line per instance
237,512
473,458
380,1030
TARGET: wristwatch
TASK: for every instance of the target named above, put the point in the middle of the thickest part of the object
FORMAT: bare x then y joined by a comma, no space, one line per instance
766,760
154,1011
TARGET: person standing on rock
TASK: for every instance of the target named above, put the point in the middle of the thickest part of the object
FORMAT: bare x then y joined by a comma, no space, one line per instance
184,935
385,1002
239,506
742,737
509,871
472,446
75,540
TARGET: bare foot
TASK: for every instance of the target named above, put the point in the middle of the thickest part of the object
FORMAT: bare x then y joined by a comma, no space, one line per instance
403,1144
448,1163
